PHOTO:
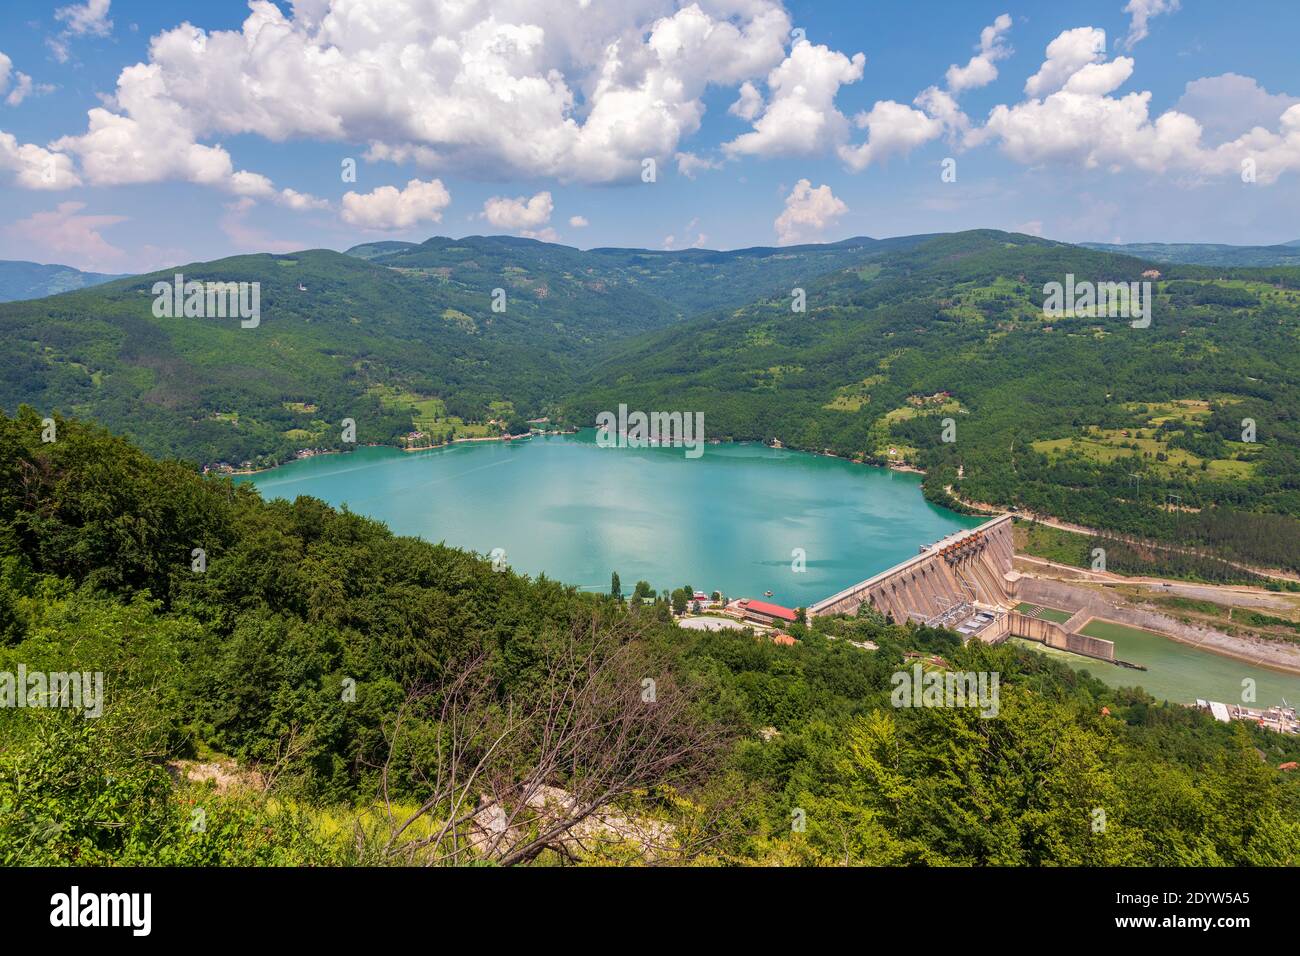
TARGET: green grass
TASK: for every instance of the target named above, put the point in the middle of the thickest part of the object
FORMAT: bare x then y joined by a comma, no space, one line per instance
429,415
906,412
851,398
1052,544
1102,446
1183,410
1046,613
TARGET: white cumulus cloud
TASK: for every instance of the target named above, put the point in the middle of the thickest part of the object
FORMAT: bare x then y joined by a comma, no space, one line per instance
35,167
1066,56
79,19
689,164
20,81
749,104
390,208
498,87
892,129
1229,105
67,235
801,118
1079,121
980,70
807,213
90,18
526,215
1141,12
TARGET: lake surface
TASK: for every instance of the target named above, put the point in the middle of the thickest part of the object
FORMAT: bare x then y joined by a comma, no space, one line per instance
728,520
1172,667
1177,672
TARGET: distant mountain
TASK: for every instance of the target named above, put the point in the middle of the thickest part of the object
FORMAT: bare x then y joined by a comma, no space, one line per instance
341,336
31,280
1207,254
685,282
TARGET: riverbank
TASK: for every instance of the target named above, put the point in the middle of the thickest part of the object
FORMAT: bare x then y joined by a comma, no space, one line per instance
1101,601
1273,656
459,441
316,453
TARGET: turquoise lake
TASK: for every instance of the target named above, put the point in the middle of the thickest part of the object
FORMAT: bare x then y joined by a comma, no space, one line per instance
728,520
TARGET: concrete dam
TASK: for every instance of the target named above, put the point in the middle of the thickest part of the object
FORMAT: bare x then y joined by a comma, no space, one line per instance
965,583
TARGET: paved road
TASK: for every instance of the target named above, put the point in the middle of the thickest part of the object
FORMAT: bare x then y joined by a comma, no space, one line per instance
1237,595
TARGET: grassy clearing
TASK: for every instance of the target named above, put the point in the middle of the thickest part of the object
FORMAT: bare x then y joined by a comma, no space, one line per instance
1149,439
1110,631
1055,615
851,398
1188,410
1105,445
429,415
462,321
1052,544
922,406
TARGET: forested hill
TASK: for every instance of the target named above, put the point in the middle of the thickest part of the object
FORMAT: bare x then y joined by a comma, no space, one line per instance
332,328
689,281
380,337
1084,418
342,679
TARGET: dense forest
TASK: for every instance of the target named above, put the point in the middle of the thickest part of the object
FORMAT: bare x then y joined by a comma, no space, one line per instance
394,701
471,323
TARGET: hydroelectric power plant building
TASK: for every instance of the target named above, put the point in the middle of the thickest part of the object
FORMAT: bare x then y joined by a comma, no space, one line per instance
966,583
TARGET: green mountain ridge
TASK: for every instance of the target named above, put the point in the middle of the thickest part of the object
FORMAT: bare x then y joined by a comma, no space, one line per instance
347,337
685,281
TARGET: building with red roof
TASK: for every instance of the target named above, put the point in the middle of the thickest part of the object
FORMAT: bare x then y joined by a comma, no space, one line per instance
761,612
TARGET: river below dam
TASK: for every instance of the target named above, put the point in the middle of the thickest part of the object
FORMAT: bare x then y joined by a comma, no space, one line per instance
734,520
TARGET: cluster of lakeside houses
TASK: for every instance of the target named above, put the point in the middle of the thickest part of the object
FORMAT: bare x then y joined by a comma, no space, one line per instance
226,468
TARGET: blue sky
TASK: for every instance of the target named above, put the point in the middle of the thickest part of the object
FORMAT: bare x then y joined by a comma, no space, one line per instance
535,118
